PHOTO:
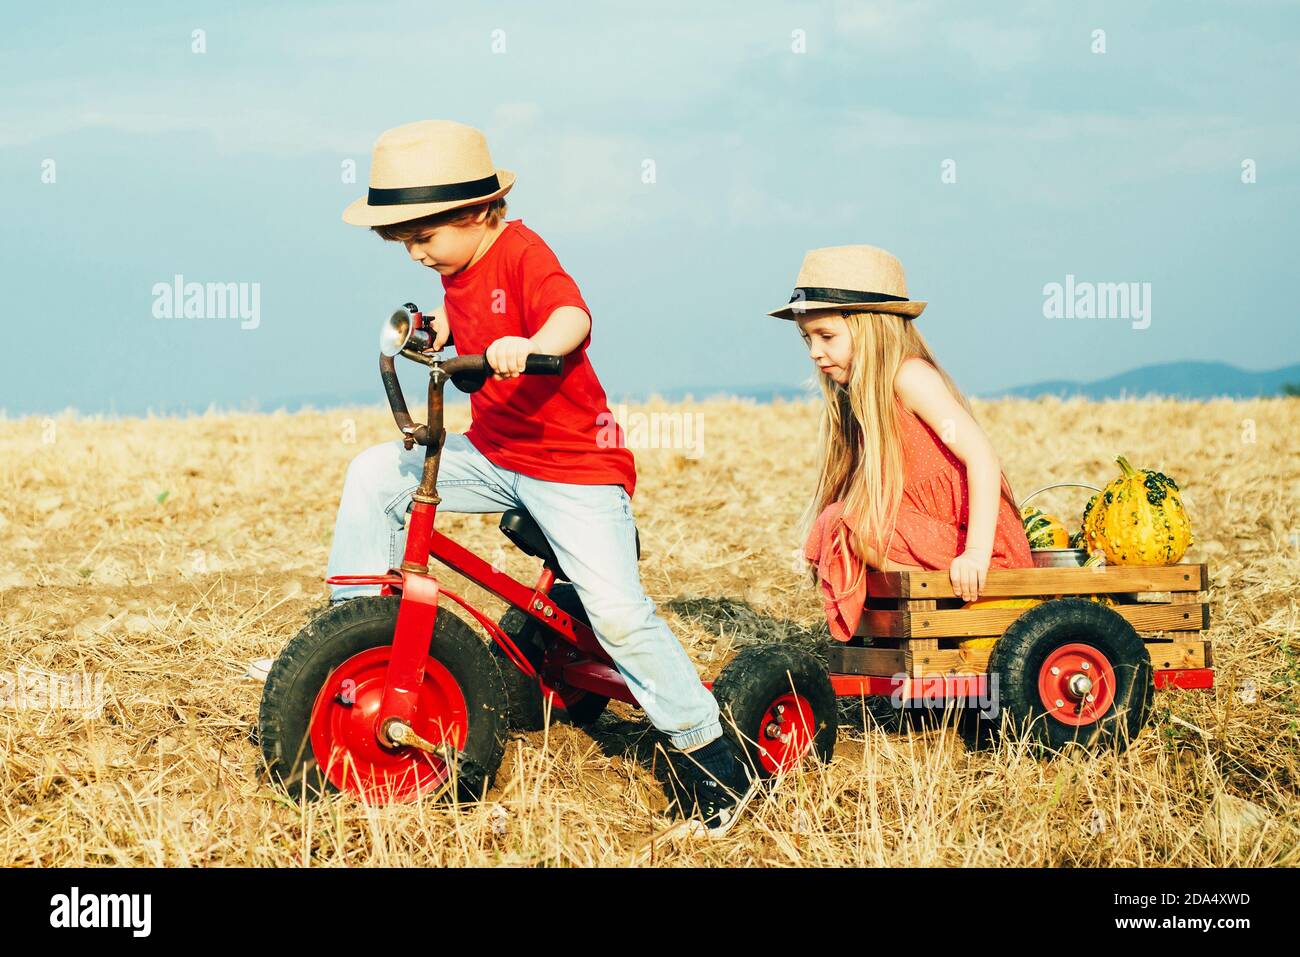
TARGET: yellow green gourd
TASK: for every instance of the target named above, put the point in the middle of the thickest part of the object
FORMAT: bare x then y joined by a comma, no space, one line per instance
1138,519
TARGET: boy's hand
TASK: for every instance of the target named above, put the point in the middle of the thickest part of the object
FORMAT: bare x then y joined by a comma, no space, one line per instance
968,573
507,356
441,328
436,320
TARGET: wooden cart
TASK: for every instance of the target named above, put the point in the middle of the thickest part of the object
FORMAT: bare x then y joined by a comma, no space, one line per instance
1053,659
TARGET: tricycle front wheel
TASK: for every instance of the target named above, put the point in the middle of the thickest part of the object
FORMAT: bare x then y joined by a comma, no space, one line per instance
317,722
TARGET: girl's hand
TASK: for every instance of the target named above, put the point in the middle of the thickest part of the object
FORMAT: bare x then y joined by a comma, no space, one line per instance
507,356
969,571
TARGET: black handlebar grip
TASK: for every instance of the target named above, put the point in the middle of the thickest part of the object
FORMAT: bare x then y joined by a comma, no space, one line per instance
543,365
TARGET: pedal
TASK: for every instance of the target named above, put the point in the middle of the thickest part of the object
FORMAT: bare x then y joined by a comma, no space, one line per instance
404,735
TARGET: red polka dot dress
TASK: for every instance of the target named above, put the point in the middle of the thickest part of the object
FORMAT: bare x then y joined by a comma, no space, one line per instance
934,509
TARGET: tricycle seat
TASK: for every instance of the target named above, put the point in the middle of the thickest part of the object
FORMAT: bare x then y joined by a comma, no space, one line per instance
518,526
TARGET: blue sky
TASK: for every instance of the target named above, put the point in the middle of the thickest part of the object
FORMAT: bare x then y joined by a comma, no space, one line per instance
225,166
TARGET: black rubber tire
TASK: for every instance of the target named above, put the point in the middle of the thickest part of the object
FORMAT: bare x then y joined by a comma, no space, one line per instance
523,693
760,674
1019,654
349,629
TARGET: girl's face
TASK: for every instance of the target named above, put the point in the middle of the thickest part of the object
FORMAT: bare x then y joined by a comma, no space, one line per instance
830,345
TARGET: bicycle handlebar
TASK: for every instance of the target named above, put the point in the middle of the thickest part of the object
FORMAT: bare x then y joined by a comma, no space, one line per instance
468,373
533,365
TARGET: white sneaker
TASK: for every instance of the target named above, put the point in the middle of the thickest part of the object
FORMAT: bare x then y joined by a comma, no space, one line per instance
259,668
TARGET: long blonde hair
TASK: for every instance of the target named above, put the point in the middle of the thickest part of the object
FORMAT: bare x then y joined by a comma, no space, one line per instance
861,439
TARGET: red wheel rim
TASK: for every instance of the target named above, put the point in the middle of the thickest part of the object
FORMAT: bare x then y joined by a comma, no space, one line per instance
1076,684
785,733
344,737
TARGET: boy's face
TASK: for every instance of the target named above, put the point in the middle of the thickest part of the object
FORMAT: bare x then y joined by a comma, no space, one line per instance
830,345
448,248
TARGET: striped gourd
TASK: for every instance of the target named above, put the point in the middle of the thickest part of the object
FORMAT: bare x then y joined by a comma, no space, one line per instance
1043,530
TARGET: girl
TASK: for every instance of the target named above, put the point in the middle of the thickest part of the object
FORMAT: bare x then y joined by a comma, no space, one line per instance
908,479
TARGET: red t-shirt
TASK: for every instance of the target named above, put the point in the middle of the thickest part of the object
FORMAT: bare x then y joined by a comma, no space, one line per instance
555,428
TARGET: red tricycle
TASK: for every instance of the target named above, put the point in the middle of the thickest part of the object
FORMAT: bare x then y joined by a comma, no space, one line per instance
394,697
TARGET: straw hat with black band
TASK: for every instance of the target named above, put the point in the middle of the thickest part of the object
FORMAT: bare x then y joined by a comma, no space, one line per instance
424,168
847,278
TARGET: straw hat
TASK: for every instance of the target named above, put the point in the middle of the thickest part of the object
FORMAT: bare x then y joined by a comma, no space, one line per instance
850,277
424,168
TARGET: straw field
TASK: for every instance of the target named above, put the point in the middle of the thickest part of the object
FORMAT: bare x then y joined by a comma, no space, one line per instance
145,562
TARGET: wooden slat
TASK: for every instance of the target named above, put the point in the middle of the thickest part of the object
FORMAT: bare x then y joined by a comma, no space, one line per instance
974,661
883,624
1191,598
1168,655
983,622
1165,656
887,662
918,645
845,660
1011,582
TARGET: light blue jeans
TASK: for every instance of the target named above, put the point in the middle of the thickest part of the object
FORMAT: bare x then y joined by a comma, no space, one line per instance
591,530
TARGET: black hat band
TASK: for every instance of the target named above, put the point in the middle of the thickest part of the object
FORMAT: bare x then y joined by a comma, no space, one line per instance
448,193
841,296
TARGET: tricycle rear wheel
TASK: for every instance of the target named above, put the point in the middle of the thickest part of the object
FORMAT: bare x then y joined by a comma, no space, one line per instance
778,706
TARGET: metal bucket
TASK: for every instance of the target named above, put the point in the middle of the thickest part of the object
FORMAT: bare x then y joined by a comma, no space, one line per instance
1059,557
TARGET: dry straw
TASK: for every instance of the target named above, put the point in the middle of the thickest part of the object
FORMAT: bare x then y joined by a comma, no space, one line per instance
164,555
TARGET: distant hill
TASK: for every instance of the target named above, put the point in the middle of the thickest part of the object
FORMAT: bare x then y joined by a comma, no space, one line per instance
1187,380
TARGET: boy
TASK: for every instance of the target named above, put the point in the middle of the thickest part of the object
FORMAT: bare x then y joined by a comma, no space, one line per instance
533,442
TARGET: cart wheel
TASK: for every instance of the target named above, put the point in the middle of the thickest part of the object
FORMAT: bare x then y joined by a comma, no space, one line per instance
536,641
1073,672
777,704
317,719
